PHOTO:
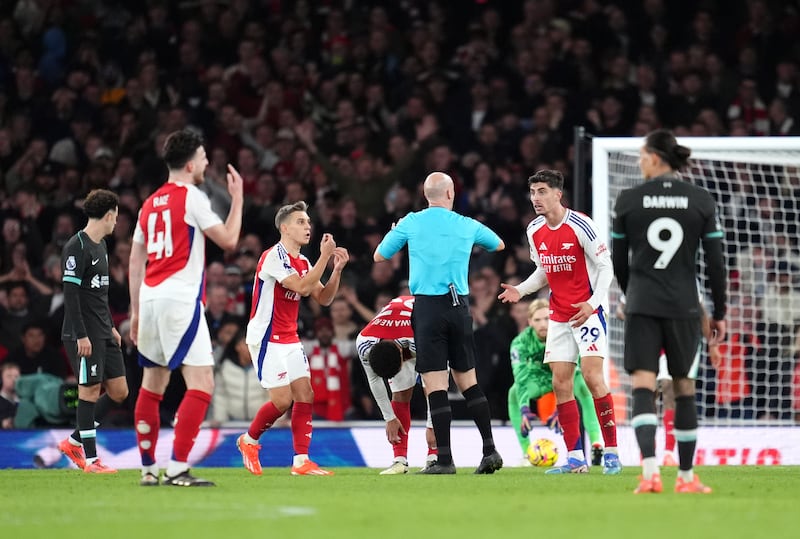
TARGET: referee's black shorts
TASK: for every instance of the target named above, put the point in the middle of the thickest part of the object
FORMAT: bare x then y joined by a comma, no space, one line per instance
646,336
443,333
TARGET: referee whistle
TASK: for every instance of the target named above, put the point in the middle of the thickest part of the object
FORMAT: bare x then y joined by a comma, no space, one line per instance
454,295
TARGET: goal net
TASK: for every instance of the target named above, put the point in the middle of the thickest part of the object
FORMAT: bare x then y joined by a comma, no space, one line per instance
756,183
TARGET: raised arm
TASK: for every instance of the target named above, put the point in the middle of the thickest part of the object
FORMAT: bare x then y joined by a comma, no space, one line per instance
226,235
310,281
324,294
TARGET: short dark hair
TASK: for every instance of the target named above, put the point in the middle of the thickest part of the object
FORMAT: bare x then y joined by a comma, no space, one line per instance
99,202
285,211
386,358
180,147
664,144
553,178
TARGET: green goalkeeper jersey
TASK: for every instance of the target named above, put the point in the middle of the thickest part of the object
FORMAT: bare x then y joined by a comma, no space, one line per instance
531,376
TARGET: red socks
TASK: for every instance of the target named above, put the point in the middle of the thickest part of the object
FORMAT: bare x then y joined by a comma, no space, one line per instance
570,417
188,418
403,412
265,417
604,406
147,420
301,427
669,428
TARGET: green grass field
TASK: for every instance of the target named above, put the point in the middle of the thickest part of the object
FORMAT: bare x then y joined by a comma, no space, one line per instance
747,502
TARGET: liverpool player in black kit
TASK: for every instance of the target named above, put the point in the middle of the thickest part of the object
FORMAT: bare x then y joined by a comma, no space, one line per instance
90,339
657,229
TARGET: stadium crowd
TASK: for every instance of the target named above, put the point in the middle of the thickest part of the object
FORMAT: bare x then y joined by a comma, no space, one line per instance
348,105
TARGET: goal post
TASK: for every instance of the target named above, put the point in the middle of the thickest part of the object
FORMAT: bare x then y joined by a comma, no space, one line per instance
756,183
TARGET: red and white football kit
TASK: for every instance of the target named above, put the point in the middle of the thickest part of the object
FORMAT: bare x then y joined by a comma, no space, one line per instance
172,329
577,265
272,337
393,322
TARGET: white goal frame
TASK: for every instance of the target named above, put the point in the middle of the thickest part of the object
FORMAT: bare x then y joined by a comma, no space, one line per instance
725,149
703,147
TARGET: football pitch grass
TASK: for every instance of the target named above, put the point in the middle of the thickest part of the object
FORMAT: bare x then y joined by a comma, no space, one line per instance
747,502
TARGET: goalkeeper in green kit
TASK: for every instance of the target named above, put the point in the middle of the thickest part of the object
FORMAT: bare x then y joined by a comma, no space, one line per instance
533,381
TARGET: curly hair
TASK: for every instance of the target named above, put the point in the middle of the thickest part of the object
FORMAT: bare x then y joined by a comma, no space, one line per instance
386,358
99,202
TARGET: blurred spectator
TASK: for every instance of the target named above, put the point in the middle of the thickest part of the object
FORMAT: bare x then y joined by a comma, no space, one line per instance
237,392
217,313
15,314
9,373
330,372
234,284
34,355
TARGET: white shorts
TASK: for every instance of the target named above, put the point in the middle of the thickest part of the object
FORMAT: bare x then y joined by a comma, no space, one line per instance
663,370
173,333
406,378
566,343
279,364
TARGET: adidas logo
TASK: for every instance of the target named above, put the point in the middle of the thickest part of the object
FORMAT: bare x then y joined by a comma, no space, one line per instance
542,247
592,348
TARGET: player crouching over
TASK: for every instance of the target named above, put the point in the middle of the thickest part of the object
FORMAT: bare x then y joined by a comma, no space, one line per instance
393,358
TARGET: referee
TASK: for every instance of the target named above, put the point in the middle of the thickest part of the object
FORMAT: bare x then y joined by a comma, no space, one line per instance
440,242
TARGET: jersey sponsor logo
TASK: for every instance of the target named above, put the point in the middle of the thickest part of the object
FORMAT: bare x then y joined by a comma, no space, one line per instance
565,246
71,264
600,250
95,261
98,281
665,202
557,263
542,247
291,296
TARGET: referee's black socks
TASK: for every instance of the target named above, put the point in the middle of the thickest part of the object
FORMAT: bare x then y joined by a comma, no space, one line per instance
478,406
441,416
